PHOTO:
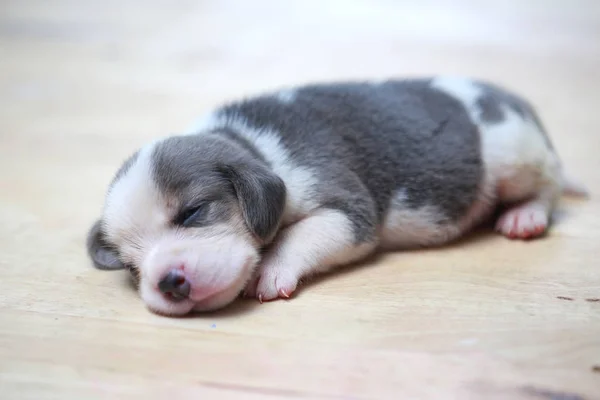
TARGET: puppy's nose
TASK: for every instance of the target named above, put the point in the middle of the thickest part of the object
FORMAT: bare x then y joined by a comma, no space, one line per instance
175,285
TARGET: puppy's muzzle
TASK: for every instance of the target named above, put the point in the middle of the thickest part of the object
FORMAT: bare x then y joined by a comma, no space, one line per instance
175,286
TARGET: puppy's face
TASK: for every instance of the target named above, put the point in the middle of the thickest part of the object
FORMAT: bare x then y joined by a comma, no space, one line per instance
188,215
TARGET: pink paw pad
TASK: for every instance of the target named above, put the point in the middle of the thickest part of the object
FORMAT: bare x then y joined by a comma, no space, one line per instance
523,223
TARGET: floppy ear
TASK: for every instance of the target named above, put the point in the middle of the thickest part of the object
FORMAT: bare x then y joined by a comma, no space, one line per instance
262,196
103,256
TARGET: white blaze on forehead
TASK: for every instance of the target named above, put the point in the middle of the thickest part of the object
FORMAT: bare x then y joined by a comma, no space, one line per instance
135,210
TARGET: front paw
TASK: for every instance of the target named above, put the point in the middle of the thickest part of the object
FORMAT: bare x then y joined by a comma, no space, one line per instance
272,283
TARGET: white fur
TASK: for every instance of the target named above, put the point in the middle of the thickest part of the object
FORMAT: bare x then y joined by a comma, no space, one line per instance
217,261
130,228
314,245
406,227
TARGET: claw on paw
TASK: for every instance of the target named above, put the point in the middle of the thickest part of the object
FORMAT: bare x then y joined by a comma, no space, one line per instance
273,283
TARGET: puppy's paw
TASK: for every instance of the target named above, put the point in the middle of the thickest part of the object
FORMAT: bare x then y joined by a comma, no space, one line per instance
523,222
275,282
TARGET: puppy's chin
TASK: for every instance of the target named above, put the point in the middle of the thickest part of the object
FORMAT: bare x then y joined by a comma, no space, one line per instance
221,299
158,304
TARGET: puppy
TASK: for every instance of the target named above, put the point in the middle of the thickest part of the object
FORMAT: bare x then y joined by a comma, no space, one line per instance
268,190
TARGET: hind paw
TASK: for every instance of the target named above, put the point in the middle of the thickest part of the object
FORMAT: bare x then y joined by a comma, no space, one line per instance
524,222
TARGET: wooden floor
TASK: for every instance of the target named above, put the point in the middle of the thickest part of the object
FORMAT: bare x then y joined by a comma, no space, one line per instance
83,83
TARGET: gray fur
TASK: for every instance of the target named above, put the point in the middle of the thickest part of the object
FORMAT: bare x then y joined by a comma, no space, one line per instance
368,141
241,141
125,167
223,173
103,254
261,195
493,99
99,250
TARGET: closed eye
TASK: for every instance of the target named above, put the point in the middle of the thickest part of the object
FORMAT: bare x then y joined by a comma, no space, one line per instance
192,216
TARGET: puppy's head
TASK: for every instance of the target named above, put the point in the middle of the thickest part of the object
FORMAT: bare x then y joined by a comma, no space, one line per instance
188,215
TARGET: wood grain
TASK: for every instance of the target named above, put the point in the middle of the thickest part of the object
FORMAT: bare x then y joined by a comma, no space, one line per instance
84,83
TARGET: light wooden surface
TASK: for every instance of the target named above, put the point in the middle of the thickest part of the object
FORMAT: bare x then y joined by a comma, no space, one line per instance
83,83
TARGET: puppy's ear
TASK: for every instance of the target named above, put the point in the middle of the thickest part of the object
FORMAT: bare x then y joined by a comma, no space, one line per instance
262,196
103,256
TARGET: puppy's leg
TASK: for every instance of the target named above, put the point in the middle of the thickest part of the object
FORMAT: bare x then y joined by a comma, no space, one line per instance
522,168
323,240
530,185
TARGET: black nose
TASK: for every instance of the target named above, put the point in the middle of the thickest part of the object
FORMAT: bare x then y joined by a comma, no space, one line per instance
175,285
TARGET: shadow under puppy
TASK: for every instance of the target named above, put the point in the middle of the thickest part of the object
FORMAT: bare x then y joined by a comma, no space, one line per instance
270,189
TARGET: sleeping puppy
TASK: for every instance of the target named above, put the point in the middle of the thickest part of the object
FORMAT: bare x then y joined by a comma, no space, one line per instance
269,190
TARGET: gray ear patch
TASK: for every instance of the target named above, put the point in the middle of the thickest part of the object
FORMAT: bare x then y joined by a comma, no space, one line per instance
103,256
261,195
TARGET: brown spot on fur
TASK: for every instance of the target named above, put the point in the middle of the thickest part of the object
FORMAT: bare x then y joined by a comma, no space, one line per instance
596,368
594,300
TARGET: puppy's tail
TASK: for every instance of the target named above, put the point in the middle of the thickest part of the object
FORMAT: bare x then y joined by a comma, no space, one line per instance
573,187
